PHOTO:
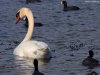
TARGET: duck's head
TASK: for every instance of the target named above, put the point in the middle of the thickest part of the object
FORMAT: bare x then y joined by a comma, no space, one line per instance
21,14
64,2
35,62
91,53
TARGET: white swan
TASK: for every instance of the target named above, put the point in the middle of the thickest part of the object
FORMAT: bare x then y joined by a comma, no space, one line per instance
30,48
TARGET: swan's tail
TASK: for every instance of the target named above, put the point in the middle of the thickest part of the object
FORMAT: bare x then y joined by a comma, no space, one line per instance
47,53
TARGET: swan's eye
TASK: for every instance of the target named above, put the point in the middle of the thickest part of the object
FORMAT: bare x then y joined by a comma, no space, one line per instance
24,18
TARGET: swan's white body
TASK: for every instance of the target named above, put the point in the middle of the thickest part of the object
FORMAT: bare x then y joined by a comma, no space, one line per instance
31,48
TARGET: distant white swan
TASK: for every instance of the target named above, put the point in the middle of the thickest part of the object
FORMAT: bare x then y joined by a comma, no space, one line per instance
30,48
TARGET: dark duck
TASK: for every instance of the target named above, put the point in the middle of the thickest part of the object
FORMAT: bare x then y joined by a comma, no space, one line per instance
32,1
92,73
37,24
36,71
90,61
68,8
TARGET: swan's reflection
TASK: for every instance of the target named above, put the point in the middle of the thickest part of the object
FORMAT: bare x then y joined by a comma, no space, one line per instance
28,62
25,66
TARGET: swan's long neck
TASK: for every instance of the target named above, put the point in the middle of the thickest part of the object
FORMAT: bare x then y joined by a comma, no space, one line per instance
28,36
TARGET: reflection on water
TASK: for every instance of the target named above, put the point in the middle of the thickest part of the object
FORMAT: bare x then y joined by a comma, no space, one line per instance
28,62
66,33
25,66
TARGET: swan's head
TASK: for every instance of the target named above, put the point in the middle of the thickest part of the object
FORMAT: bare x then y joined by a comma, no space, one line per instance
21,14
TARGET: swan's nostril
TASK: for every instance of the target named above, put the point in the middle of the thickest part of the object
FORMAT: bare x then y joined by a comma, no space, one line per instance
17,19
17,14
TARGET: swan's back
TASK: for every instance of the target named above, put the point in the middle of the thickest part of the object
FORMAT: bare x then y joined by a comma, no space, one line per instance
32,49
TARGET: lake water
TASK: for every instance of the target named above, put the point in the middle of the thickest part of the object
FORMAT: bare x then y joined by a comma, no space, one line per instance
69,35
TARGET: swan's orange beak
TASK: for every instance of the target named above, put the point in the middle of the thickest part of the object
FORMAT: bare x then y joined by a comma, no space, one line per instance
17,19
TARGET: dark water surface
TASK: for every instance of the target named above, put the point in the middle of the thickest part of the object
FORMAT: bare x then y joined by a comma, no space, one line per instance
69,35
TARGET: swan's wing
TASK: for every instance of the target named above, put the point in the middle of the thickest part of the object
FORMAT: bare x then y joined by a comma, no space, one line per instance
39,44
33,49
